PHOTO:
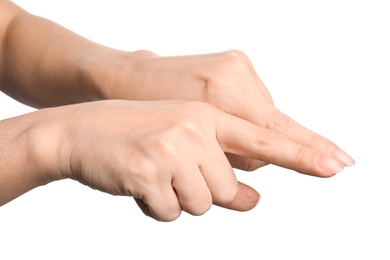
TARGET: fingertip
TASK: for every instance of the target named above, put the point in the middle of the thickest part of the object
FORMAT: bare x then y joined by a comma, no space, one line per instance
329,166
342,157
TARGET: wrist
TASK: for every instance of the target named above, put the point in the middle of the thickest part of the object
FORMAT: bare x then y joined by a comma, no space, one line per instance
110,72
28,155
45,135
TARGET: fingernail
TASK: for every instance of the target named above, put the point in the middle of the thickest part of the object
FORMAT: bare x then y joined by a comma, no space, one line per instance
342,157
329,165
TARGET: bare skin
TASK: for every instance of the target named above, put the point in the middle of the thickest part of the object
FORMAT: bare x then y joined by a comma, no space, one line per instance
169,155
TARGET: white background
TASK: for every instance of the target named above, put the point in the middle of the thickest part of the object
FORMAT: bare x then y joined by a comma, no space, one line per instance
326,64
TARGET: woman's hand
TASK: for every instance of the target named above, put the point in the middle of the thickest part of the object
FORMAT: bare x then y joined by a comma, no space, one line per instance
60,67
226,80
168,155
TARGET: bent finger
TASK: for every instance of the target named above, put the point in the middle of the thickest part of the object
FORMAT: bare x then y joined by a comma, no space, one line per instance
218,174
192,191
161,203
144,208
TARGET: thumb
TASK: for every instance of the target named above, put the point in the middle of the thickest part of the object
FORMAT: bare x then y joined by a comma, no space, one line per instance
246,199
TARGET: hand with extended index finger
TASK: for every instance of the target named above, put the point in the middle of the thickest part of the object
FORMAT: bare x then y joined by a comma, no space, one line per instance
168,155
242,138
229,82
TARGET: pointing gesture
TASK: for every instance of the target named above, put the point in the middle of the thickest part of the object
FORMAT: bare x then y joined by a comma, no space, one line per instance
168,155
246,139
229,82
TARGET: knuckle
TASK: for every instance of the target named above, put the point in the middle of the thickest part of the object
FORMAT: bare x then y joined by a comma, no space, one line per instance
279,121
234,59
298,154
169,215
165,146
193,117
145,171
265,137
236,55
143,54
187,125
201,206
226,67
227,195
160,206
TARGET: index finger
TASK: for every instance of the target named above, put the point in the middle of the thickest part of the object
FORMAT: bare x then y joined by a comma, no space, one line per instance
283,124
244,138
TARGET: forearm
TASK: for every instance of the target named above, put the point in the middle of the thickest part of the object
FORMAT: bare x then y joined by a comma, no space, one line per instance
27,155
44,64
